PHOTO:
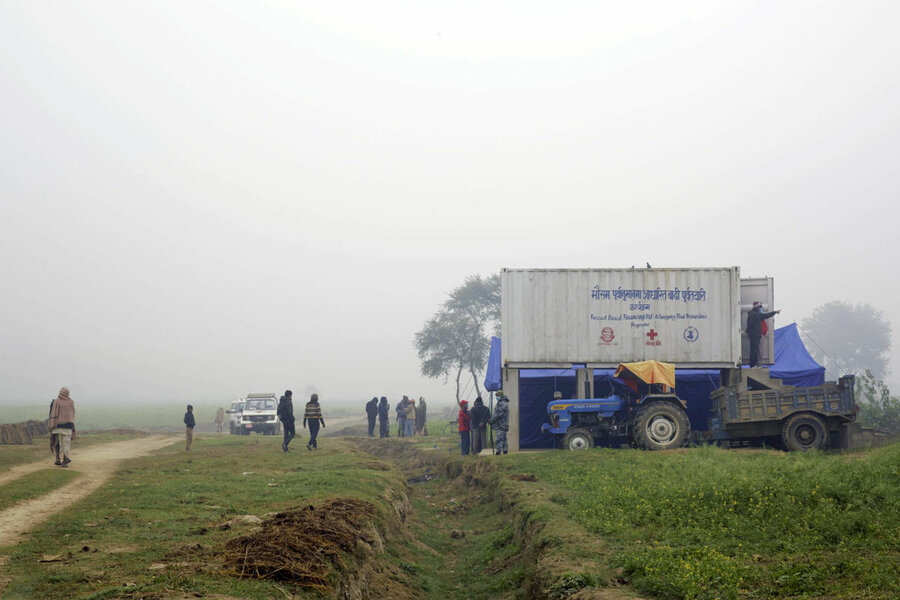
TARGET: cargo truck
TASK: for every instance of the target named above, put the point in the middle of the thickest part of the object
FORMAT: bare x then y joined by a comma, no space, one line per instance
749,406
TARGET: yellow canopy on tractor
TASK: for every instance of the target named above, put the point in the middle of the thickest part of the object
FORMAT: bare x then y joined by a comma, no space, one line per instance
648,371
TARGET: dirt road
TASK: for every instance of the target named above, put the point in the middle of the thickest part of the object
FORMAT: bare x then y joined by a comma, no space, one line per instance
96,464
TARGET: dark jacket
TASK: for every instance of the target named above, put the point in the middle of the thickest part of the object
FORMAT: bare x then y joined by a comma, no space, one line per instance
384,410
189,419
286,409
372,408
754,322
481,414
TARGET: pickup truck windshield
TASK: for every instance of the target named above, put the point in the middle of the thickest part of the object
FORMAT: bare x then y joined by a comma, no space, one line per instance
260,405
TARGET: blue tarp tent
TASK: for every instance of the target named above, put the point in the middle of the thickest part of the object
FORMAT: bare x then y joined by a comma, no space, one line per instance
793,365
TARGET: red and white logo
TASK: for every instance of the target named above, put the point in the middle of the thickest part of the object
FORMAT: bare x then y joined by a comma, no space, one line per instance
653,341
607,335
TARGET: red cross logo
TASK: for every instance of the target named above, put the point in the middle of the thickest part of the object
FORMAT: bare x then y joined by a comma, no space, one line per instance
652,335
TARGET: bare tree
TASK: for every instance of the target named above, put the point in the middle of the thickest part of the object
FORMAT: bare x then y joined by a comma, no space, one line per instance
456,338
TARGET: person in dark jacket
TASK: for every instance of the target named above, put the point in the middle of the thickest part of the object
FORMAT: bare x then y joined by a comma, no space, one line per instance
286,416
384,418
481,414
500,422
754,329
372,414
189,426
464,426
313,417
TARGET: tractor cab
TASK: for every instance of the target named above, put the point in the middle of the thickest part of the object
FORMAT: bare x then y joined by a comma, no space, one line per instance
646,412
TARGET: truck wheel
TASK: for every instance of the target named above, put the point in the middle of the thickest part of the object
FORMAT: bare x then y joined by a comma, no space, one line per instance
231,428
661,426
804,431
578,438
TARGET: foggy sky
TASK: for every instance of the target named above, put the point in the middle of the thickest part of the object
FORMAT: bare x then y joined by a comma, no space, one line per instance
204,199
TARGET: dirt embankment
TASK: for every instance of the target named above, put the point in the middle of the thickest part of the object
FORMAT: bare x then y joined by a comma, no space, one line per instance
547,556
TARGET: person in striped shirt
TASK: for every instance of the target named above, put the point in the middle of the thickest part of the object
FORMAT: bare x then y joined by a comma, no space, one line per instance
313,418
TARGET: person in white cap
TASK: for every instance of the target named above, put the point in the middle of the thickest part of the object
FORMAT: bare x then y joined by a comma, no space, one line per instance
754,329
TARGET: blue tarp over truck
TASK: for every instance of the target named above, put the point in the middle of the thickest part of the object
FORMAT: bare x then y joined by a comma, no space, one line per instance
793,365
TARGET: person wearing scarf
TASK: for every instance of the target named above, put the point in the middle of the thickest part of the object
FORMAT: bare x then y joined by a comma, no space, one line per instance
62,424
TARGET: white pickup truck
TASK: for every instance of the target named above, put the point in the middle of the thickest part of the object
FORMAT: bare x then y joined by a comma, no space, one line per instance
259,414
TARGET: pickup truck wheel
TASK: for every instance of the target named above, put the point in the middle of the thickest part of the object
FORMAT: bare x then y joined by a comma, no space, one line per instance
578,438
804,432
661,426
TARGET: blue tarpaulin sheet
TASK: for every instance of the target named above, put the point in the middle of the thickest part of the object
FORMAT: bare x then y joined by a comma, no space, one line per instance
793,365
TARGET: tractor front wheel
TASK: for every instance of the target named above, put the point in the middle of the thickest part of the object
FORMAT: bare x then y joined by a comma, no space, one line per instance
661,426
578,438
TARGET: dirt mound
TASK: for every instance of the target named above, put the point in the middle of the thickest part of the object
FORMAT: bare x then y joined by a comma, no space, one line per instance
302,546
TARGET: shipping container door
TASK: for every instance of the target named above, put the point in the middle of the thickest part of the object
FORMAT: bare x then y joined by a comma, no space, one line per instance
758,289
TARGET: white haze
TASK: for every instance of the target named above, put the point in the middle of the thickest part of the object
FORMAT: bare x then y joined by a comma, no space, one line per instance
202,199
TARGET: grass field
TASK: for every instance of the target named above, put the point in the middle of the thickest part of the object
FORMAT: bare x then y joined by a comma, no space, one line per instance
709,523
698,523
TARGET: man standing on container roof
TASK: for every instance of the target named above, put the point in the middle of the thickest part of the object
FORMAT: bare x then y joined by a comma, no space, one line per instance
754,329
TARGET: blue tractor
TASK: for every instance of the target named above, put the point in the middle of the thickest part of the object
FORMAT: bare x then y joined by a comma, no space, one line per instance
648,414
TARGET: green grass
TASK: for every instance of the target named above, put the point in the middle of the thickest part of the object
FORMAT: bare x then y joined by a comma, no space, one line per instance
167,508
34,485
708,523
11,456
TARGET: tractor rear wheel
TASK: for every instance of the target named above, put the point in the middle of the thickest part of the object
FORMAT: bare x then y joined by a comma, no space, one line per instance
661,426
578,438
804,431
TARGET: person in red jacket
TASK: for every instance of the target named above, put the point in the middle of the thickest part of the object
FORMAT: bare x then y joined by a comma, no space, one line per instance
464,426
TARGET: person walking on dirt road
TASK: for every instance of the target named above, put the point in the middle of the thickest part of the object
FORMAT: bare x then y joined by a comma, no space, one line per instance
286,415
500,423
62,424
189,424
372,414
384,418
313,417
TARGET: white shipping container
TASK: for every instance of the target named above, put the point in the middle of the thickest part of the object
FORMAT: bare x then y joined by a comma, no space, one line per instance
601,317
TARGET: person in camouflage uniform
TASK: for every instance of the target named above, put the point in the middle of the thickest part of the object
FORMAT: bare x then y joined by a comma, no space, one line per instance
500,423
